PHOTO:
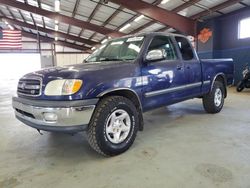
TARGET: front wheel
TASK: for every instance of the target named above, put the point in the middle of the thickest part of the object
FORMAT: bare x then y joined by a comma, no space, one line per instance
214,101
114,126
240,86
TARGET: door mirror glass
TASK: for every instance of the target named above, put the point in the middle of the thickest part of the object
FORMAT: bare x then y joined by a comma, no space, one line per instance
154,55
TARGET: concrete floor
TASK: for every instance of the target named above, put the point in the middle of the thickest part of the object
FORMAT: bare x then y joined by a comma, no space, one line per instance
181,146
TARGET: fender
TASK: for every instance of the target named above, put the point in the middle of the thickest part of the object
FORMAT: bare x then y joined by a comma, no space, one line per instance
224,79
116,90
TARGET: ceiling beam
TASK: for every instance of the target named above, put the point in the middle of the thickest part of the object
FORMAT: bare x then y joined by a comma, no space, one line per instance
117,11
51,40
176,10
142,27
74,13
181,23
185,5
90,17
215,8
50,31
244,4
62,18
12,15
112,16
31,15
40,6
157,2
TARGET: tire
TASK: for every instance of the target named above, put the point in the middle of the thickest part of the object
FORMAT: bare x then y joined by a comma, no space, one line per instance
108,133
240,86
214,101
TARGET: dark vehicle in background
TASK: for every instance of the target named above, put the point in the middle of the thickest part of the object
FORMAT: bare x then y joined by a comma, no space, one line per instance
107,95
245,82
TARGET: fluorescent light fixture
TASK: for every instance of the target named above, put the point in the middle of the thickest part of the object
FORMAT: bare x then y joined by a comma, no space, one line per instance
164,1
103,46
125,27
93,48
7,23
139,18
56,27
56,22
11,27
57,5
56,38
105,40
109,37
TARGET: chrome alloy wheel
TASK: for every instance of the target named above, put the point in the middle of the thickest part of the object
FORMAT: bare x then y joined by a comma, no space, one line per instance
118,126
218,97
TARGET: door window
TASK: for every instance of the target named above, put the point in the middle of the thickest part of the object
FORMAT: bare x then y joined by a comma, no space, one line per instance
163,43
185,48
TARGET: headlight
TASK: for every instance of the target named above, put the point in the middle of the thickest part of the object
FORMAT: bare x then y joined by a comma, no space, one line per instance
63,87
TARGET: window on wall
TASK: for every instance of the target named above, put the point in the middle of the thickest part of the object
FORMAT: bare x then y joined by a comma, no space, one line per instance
244,28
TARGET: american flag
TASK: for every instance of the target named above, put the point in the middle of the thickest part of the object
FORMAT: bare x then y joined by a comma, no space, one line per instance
10,39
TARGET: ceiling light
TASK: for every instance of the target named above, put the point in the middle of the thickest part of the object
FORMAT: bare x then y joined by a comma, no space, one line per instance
6,22
164,1
57,5
93,48
56,22
56,27
105,40
11,27
56,38
125,27
139,18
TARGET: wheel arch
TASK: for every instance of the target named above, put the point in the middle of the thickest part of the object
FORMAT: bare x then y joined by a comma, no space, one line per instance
222,78
129,94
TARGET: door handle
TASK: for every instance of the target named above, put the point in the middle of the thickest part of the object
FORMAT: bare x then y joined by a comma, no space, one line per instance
179,67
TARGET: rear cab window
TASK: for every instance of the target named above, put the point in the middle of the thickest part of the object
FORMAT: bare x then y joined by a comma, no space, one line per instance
185,48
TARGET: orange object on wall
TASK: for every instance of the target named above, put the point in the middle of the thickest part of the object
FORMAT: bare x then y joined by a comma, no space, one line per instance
205,35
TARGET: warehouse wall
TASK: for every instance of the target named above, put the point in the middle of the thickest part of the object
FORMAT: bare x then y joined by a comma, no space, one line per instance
225,42
69,59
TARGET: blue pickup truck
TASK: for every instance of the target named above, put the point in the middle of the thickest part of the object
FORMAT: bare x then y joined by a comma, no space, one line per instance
107,94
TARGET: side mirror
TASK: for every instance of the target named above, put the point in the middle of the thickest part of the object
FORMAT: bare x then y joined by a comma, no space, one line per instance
155,55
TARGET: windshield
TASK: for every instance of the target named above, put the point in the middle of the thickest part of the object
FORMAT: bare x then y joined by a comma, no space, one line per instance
118,50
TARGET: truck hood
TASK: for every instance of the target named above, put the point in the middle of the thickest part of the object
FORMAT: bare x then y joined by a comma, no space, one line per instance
97,77
79,70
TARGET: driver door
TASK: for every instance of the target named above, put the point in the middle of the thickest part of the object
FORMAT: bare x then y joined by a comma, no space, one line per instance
165,76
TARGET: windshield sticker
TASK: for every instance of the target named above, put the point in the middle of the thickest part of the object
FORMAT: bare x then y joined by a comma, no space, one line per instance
135,39
134,47
117,43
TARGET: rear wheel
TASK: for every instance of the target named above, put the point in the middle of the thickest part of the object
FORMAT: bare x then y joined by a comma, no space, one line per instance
114,126
214,101
240,86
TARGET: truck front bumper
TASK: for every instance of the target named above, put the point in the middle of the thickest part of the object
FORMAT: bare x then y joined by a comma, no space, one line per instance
55,116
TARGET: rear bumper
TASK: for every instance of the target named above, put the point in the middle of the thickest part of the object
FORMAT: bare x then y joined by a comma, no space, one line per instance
54,116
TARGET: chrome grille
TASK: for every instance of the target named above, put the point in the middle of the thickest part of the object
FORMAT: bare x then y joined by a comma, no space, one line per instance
29,86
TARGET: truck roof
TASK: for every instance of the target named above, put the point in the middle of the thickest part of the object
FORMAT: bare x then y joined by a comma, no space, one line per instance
153,34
